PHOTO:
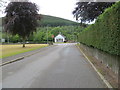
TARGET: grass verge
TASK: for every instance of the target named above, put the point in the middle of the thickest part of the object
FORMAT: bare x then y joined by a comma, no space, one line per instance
10,50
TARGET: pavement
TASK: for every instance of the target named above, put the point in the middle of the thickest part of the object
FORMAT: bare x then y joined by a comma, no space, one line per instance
59,66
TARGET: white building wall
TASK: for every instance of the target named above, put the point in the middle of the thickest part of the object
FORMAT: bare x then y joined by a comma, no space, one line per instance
59,37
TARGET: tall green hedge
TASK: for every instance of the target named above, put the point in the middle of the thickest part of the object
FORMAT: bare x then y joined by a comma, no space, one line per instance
105,33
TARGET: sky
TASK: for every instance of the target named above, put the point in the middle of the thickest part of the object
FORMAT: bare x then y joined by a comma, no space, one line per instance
58,8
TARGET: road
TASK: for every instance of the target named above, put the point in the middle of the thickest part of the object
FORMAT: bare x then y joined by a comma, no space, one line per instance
61,66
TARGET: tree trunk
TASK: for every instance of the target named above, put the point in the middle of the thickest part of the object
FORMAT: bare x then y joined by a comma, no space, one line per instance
23,42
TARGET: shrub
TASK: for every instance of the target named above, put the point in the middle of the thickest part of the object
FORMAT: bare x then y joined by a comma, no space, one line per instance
105,33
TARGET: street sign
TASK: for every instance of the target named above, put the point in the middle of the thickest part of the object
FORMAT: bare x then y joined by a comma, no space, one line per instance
52,36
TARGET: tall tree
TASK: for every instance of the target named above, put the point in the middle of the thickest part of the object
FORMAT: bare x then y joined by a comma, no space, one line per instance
88,11
21,18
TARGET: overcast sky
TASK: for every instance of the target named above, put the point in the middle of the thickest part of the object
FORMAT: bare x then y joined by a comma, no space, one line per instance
58,8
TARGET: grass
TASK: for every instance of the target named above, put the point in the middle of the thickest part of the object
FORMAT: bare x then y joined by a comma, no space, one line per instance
10,50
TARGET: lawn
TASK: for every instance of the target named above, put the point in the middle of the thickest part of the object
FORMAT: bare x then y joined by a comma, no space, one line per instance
10,50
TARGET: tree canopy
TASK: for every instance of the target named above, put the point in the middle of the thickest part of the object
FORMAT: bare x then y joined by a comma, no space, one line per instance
88,11
21,18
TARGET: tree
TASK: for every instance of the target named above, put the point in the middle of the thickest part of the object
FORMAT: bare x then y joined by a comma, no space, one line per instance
21,18
88,11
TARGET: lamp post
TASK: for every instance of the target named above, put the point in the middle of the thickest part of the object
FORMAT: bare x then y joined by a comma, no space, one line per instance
47,34
8,38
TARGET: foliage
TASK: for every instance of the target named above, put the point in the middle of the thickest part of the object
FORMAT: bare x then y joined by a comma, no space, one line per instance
40,36
70,32
105,33
21,19
67,28
88,11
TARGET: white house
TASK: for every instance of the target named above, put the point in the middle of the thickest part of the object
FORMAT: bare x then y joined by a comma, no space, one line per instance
59,38
2,40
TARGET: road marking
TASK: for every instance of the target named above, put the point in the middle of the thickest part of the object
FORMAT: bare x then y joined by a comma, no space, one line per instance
101,76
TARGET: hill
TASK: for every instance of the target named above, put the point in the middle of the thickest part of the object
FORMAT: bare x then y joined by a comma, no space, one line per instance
55,21
52,21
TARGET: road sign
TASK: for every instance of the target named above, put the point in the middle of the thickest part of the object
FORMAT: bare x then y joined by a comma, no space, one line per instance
52,36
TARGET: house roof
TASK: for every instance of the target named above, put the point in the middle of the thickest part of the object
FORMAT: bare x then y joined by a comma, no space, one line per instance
60,35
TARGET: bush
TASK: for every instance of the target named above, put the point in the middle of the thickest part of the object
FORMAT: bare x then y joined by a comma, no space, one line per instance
105,33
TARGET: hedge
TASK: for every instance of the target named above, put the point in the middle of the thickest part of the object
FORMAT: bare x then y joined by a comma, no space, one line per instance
105,33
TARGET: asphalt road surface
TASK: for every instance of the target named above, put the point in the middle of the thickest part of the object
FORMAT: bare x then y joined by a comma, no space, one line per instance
61,66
